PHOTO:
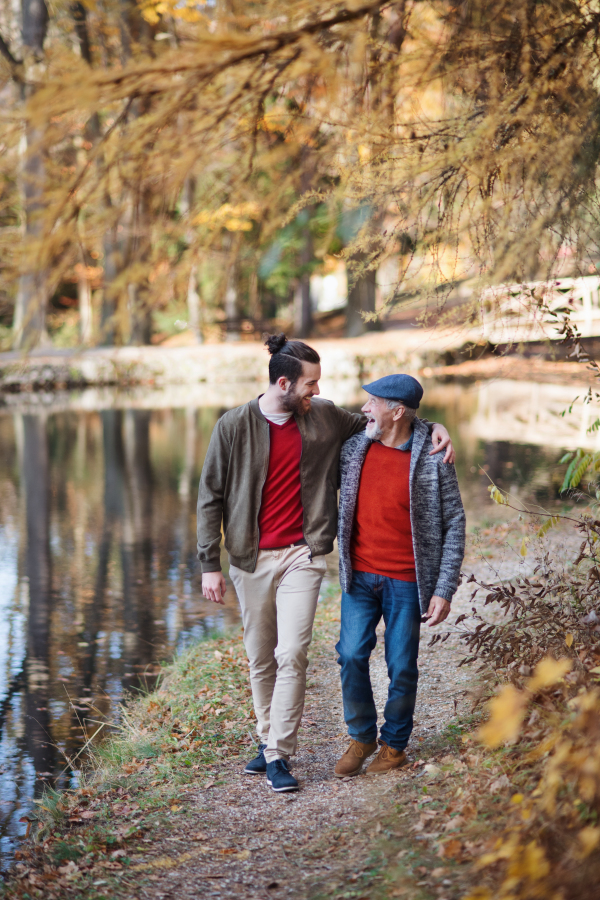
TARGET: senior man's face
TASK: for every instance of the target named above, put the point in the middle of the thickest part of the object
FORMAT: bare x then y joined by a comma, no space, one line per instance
379,416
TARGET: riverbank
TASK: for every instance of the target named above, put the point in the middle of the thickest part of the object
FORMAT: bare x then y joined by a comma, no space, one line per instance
167,813
426,353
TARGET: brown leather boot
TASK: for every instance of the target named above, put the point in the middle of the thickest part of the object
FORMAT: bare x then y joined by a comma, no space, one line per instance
351,762
386,760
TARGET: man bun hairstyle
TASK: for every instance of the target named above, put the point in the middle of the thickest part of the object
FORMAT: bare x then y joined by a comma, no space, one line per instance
287,357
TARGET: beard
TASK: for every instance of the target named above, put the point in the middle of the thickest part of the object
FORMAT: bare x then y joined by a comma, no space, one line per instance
292,402
373,431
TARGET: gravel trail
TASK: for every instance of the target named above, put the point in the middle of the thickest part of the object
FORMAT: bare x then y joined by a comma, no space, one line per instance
245,841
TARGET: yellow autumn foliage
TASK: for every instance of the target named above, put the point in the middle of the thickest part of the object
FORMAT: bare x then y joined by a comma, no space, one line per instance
549,848
548,672
507,709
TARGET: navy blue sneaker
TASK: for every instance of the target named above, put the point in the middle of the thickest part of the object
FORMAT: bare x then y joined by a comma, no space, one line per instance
279,777
258,765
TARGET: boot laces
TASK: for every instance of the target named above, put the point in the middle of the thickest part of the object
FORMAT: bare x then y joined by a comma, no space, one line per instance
357,748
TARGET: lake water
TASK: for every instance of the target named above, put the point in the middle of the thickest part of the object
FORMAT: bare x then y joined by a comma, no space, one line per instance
98,575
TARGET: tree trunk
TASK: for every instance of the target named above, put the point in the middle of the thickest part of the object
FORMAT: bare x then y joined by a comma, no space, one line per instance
361,299
303,307
194,301
29,323
113,261
140,316
304,314
194,305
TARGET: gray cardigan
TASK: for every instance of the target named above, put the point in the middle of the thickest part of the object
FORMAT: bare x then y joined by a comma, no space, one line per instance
436,514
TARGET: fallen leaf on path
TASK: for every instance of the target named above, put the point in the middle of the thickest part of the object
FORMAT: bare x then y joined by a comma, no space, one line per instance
450,850
208,785
134,766
457,822
500,784
69,871
244,854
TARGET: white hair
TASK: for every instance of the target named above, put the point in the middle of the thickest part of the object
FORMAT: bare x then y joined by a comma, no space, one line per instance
409,412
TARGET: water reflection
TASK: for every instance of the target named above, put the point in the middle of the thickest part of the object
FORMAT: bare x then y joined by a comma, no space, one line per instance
98,578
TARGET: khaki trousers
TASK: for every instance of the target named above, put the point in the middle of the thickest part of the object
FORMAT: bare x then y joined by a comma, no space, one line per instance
278,602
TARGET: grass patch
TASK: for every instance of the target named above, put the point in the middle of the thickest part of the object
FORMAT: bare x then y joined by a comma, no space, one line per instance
134,791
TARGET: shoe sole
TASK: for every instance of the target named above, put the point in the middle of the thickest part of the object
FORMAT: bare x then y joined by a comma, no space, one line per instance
254,772
348,774
283,789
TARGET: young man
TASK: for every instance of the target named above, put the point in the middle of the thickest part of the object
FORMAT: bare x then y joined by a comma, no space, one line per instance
401,540
271,477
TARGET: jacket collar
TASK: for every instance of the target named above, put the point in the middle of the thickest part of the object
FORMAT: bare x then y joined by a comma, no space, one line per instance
255,408
420,435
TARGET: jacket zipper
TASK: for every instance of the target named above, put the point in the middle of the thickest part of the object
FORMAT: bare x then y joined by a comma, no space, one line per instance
264,478
310,553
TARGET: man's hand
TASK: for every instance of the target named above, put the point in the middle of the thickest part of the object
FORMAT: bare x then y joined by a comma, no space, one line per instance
438,611
214,586
441,441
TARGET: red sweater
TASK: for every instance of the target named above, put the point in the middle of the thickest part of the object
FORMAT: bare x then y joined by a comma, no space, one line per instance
382,537
281,514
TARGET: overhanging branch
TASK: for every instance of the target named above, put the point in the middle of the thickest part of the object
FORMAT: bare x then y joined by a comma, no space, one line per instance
263,46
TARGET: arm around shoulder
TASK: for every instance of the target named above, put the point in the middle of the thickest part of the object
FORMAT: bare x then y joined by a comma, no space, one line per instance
350,423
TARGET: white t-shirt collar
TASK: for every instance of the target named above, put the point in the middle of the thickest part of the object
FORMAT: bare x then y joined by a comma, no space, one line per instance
276,418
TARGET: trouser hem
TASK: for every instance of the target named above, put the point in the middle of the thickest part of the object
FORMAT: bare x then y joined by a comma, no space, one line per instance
272,755
395,745
370,739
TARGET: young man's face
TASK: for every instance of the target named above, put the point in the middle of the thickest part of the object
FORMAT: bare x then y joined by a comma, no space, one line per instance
298,396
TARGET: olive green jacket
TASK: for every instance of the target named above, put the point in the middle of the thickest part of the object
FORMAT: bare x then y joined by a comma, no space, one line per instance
235,470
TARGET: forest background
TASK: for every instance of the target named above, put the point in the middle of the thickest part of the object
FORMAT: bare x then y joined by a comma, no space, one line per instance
176,164
172,161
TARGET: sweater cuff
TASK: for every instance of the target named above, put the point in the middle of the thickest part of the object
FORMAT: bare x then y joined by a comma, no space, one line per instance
445,590
210,565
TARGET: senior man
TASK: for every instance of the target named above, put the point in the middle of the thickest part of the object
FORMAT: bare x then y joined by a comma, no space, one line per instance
401,541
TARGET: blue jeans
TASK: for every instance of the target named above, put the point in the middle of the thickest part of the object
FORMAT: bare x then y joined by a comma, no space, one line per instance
370,598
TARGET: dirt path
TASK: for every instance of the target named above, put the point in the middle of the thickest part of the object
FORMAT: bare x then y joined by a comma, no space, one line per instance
243,840
225,834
